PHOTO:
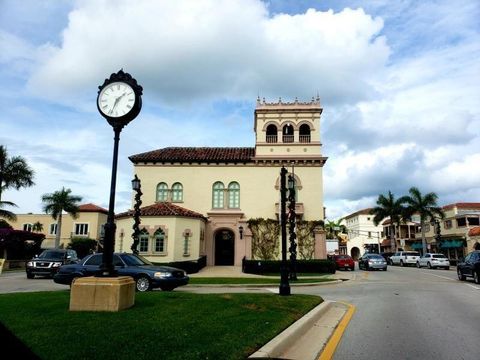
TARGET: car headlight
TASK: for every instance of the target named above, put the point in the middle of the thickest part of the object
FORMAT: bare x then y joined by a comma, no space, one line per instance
30,263
57,264
162,274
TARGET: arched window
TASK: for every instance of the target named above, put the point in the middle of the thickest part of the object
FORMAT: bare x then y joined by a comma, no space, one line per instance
143,241
304,133
162,192
159,240
272,133
287,133
234,195
177,192
217,195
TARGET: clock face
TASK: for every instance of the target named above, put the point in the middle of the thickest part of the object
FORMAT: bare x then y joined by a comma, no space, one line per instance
116,99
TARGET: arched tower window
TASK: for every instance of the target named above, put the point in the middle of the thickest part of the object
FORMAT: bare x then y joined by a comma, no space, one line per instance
287,133
162,192
159,241
143,241
217,195
304,133
272,133
177,192
234,195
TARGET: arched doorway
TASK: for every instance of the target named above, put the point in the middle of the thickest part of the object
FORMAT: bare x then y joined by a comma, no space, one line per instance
224,247
355,253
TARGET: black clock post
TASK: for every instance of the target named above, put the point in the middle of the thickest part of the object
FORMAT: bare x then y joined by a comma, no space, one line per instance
118,105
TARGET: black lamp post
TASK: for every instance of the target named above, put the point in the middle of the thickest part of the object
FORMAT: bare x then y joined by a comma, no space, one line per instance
137,187
291,227
240,230
119,101
284,285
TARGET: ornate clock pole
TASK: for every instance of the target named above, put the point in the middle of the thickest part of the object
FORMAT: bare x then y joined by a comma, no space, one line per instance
119,101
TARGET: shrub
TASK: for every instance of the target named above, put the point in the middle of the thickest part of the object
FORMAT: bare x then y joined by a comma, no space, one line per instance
83,246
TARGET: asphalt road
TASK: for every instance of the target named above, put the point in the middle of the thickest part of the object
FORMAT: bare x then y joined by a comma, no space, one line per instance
407,313
403,313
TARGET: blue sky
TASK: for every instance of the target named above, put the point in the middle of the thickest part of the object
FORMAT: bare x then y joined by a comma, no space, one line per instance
398,81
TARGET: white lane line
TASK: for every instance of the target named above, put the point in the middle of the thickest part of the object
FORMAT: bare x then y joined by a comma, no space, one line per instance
444,277
440,276
273,290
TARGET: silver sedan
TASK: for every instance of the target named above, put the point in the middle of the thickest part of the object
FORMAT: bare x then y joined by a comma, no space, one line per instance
372,261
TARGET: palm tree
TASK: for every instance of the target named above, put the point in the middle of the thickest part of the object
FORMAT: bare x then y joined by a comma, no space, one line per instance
58,202
425,206
14,172
388,207
5,213
333,228
37,227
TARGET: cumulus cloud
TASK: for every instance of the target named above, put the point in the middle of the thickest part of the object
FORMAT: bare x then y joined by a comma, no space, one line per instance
195,50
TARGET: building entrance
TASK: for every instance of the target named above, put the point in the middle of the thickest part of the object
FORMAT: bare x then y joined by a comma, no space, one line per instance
224,247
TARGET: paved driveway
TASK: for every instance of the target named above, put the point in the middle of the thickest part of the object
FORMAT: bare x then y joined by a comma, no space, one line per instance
16,281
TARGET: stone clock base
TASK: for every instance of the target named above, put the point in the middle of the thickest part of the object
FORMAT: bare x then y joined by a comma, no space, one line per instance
102,293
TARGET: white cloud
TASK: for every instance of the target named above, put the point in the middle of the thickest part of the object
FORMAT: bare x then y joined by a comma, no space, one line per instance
204,49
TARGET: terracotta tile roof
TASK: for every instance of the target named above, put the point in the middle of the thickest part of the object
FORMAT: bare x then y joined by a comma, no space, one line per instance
92,208
463,205
195,154
359,212
163,209
475,231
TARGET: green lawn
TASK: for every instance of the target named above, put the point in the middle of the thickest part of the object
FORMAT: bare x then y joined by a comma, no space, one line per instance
236,281
161,325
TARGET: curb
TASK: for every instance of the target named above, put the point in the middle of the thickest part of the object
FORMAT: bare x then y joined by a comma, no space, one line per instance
308,337
264,285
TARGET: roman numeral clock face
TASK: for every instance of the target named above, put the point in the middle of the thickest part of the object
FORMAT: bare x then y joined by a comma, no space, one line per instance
116,99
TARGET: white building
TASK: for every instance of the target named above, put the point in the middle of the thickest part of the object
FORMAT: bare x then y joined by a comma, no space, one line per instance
362,233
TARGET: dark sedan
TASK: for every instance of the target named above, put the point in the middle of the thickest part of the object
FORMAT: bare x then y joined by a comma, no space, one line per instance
146,275
372,261
470,266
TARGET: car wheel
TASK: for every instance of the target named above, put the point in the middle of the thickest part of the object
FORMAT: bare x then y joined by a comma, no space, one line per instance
418,265
30,276
429,265
401,262
476,277
461,277
143,283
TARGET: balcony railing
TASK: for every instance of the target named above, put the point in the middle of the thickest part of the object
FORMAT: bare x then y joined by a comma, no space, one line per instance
271,138
304,138
288,138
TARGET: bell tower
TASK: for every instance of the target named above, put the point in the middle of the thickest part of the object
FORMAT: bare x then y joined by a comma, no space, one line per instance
288,131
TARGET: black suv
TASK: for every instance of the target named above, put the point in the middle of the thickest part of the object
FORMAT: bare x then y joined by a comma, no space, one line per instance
470,266
49,261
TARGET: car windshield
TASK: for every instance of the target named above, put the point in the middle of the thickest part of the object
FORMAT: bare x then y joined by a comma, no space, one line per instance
441,256
51,254
135,260
375,257
412,254
343,257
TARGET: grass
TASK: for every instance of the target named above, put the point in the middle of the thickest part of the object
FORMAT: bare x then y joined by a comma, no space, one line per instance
236,281
163,325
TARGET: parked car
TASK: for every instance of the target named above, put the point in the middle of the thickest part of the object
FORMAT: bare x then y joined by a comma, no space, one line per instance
344,262
372,261
49,261
470,267
387,255
433,261
146,275
404,258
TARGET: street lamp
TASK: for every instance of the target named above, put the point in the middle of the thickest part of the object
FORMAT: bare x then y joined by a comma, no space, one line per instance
284,285
137,187
240,230
119,101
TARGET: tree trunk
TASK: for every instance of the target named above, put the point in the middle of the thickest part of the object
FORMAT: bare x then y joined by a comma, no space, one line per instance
59,231
393,243
424,241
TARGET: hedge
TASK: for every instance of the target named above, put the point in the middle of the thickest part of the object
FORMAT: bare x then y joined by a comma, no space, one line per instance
273,266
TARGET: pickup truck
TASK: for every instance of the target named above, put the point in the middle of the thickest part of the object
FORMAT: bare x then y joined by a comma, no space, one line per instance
404,258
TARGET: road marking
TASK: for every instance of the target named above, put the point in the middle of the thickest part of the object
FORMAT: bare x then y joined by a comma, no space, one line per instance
334,340
475,287
440,276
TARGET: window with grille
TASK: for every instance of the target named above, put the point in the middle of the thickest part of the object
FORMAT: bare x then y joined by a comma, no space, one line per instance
177,192
162,192
217,196
234,195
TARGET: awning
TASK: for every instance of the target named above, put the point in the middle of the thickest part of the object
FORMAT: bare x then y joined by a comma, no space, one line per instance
416,245
447,244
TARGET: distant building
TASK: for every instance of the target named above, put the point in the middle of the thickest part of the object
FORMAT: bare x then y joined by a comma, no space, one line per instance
89,224
363,234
